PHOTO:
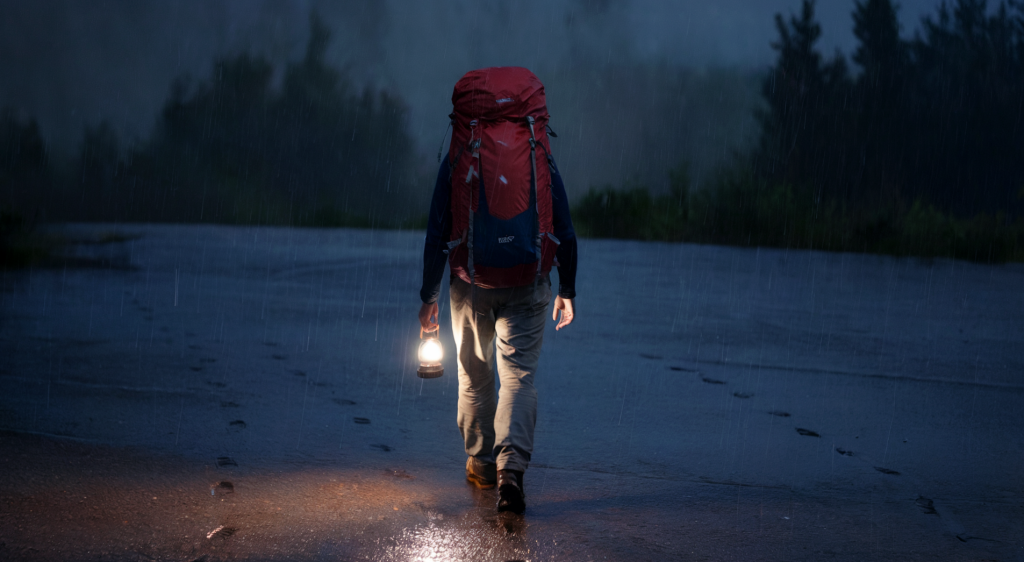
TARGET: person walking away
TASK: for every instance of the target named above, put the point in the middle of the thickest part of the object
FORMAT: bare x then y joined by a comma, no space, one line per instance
500,218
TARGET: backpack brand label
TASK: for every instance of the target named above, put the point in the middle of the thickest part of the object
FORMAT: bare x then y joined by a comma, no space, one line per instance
505,100
505,239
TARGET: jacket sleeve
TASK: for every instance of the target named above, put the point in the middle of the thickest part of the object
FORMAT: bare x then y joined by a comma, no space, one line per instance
562,222
439,228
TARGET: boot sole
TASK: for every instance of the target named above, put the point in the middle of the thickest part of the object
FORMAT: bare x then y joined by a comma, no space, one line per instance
480,483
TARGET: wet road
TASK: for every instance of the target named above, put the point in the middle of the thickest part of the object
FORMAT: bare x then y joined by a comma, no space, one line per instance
708,404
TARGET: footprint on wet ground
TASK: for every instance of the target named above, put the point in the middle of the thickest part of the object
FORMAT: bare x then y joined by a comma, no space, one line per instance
399,473
196,369
742,394
228,404
381,447
226,461
223,487
239,424
807,432
362,421
779,413
216,384
844,452
298,373
927,505
279,357
649,356
343,402
712,381
884,470
682,369
207,360
965,538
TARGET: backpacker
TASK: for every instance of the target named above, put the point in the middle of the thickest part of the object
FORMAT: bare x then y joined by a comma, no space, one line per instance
500,179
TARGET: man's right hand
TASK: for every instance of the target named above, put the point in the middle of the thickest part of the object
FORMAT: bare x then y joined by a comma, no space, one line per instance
428,317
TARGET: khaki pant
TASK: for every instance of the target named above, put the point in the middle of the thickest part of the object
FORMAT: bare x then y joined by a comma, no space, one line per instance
498,431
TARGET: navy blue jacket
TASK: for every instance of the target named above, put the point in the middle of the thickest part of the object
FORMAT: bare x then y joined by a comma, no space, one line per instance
439,230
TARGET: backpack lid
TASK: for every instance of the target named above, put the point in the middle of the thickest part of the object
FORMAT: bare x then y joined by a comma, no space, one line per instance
501,92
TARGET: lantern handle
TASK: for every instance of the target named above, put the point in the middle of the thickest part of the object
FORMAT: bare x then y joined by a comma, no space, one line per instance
436,330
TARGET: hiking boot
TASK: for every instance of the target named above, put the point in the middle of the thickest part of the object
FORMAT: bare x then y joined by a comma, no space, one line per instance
510,492
481,474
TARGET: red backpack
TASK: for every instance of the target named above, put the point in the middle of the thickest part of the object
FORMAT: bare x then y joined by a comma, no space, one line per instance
500,179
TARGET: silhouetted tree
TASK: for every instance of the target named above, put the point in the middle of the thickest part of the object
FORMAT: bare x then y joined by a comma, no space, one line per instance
938,118
315,152
807,104
968,74
881,54
23,157
99,164
210,144
358,140
879,95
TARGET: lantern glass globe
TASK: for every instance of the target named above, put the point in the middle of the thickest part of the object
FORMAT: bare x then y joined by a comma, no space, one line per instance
431,351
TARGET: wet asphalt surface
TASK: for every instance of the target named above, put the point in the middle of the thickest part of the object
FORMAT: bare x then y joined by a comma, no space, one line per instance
216,393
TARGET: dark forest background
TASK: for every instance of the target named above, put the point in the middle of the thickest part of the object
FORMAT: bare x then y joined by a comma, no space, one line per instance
918,150
915,147
314,151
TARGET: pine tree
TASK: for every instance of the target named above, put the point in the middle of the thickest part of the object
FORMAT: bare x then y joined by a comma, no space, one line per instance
968,68
879,94
881,53
806,111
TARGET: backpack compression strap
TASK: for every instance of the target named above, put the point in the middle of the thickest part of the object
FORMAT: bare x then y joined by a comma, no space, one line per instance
474,148
533,195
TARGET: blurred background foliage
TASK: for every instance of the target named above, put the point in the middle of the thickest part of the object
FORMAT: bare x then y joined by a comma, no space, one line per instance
916,148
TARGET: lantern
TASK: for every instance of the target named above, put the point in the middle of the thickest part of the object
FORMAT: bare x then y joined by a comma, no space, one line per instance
430,354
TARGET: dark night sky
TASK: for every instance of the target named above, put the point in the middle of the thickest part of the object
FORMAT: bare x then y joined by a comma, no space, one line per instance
70,63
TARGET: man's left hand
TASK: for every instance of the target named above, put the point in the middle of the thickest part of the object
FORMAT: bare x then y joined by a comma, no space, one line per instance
568,312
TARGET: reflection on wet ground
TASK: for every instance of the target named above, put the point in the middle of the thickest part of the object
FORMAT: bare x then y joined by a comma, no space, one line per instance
73,501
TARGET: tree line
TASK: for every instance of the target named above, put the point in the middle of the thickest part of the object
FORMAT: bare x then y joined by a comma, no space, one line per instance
234,148
936,117
918,152
917,147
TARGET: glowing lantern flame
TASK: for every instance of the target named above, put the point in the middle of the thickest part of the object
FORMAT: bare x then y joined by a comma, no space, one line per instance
431,351
430,355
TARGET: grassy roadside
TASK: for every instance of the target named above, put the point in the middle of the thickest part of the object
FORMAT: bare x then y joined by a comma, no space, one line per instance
735,211
23,245
738,211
